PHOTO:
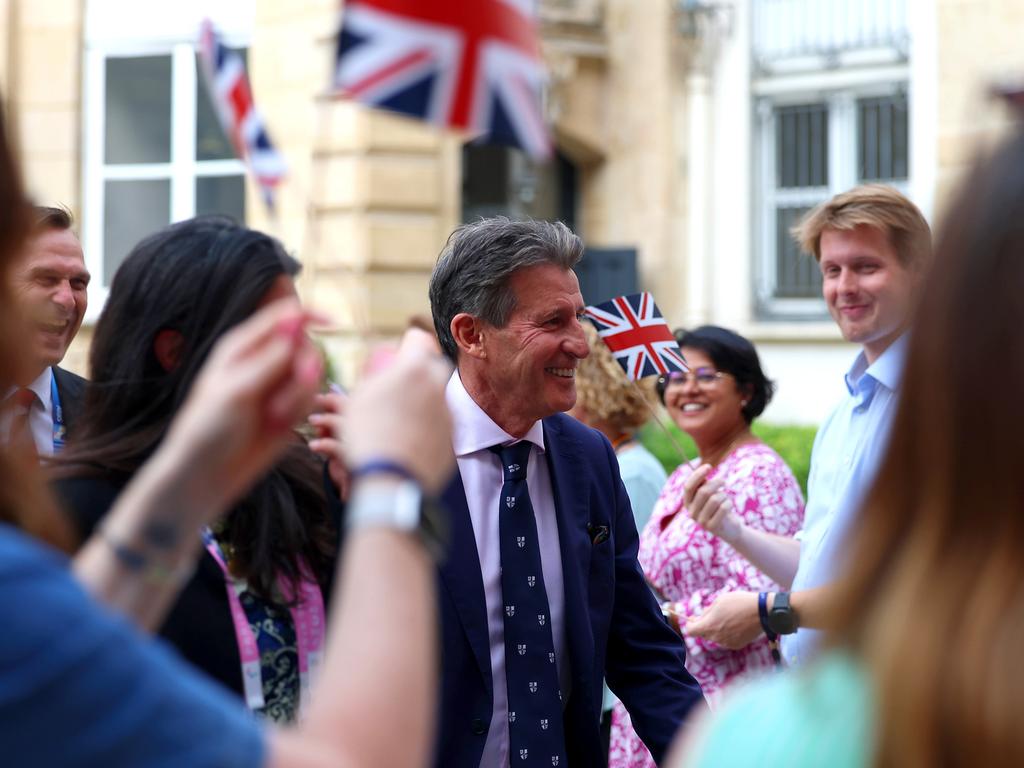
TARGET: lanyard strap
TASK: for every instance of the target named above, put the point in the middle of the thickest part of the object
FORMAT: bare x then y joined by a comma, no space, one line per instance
307,617
59,430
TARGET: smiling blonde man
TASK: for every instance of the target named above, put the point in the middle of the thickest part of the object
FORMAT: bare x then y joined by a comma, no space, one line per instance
873,247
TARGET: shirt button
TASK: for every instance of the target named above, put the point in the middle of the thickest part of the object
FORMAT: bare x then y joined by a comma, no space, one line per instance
478,726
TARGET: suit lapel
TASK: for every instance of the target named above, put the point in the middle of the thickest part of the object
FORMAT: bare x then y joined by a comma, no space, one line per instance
71,389
460,574
572,508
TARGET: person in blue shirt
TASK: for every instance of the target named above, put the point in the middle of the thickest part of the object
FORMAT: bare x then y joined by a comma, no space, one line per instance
873,246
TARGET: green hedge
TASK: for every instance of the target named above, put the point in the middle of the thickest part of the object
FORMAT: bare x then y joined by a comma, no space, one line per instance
792,443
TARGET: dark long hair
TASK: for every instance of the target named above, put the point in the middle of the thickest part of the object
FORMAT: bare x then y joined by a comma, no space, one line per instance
199,278
933,600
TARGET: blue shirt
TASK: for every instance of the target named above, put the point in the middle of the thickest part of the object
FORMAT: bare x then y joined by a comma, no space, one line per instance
845,457
80,687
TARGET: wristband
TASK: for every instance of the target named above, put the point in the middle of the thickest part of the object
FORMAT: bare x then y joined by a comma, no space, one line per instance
762,612
384,467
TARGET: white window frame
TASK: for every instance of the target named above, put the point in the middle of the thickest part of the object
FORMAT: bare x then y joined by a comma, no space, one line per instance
842,175
119,29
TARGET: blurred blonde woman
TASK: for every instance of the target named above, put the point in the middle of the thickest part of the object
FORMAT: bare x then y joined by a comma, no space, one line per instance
616,407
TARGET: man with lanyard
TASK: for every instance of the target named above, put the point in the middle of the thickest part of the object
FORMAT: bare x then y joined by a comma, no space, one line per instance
873,247
49,284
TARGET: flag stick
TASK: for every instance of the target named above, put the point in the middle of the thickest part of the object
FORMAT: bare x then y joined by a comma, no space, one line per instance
658,420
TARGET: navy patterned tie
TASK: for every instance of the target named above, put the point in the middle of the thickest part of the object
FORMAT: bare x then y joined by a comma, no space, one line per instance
534,700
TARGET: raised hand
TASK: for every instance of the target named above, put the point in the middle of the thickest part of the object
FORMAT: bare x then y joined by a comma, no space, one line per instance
710,506
258,382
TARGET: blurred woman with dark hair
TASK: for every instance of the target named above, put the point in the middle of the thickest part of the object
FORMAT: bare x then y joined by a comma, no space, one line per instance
715,403
252,614
928,617
83,688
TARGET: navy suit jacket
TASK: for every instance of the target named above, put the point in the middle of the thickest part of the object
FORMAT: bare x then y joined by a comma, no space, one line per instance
613,623
71,389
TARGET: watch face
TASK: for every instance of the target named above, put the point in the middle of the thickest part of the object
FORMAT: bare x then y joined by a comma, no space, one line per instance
782,621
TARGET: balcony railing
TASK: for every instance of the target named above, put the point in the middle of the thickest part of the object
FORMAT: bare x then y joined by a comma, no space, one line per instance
789,29
588,12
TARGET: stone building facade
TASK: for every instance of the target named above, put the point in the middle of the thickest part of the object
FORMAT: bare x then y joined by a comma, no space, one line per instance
668,116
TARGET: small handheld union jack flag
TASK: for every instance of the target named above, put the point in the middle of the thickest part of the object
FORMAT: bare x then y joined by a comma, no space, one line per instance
473,65
228,85
638,336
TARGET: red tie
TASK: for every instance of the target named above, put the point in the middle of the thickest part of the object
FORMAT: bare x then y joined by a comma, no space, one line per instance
21,440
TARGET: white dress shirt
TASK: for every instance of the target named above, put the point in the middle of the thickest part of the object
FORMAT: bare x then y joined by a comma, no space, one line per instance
473,433
40,417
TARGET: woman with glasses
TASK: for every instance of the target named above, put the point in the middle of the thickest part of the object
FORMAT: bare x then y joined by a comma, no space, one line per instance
688,566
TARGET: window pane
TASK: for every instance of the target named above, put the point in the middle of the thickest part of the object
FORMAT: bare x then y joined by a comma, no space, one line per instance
882,148
485,182
802,146
211,141
132,210
501,181
797,275
138,110
221,194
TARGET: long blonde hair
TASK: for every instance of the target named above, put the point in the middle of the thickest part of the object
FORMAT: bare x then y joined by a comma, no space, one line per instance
933,600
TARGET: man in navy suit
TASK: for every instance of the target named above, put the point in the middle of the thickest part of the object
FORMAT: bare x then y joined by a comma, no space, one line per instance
49,283
507,309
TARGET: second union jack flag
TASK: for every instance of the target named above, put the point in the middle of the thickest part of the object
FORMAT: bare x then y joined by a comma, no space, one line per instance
638,336
470,64
228,84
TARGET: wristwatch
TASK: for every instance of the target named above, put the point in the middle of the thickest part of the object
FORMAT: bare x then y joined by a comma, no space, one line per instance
402,506
781,619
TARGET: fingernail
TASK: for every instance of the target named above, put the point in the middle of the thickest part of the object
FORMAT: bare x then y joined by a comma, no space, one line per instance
310,370
291,327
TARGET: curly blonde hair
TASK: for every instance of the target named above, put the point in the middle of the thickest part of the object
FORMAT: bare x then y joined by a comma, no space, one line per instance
603,390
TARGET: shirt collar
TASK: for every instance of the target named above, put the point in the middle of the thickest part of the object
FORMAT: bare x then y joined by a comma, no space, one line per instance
887,370
473,430
41,387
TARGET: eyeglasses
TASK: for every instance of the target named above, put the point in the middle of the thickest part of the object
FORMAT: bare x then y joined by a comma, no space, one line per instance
705,377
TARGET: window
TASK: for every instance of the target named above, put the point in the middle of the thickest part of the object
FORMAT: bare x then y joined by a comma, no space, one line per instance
153,149
812,149
501,181
158,155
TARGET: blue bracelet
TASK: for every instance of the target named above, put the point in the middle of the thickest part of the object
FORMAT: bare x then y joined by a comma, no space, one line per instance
762,612
384,467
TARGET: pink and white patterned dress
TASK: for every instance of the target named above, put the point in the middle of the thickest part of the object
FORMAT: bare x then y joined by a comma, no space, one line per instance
691,567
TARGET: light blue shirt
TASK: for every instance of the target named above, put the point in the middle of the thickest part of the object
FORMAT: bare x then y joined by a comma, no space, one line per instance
847,451
644,477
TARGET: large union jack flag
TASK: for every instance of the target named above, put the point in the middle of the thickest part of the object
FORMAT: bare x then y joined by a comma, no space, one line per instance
470,64
637,334
228,85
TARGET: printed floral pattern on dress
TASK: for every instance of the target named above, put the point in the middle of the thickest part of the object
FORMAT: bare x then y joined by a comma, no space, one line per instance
691,567
279,657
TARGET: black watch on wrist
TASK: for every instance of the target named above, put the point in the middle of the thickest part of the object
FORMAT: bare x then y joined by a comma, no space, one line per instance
781,619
